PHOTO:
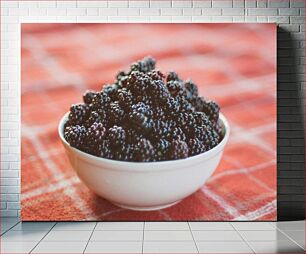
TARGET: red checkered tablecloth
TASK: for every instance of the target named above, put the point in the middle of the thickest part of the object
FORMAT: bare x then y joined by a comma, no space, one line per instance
234,64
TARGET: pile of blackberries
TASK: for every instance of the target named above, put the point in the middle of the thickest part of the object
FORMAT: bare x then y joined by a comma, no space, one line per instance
144,116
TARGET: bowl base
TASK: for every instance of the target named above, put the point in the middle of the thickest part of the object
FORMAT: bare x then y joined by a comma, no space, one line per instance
146,208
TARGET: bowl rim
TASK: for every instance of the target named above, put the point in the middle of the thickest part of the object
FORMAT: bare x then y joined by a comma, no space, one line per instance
132,165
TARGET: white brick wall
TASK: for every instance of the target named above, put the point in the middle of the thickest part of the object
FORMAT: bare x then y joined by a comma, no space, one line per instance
288,13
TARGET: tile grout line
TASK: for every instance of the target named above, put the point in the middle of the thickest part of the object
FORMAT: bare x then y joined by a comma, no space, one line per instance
143,229
10,228
93,230
277,228
42,238
143,232
146,230
244,240
290,238
273,225
193,237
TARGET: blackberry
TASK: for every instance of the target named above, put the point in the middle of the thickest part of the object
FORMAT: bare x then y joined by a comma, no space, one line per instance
142,108
211,139
201,118
116,113
120,75
103,149
125,153
158,90
95,117
160,129
75,136
111,91
156,75
195,147
116,135
138,83
216,136
172,76
78,114
133,136
67,124
219,130
144,151
145,65
171,105
186,120
135,76
122,83
145,127
191,87
158,113
161,149
185,106
146,100
101,102
163,129
198,103
140,116
88,96
129,152
178,150
199,132
171,123
212,109
175,88
95,134
175,133
125,98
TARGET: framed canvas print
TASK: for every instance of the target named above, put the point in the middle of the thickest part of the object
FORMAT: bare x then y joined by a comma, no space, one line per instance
154,122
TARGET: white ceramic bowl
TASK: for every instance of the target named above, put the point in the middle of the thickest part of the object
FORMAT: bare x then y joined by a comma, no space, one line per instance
144,185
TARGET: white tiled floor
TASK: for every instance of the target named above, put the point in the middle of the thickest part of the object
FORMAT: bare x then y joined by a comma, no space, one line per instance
121,226
76,226
70,236
253,226
258,235
170,247
167,236
223,236
114,247
60,247
275,247
223,247
34,226
218,226
117,236
23,236
152,237
167,226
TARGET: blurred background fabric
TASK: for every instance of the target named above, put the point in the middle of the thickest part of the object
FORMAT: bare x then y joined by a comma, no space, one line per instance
233,64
